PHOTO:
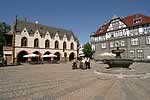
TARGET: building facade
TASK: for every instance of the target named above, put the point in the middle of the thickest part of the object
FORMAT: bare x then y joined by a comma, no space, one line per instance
131,33
33,38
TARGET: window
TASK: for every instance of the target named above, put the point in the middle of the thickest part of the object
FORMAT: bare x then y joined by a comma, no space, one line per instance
122,43
134,41
140,53
36,42
93,47
147,39
72,46
64,46
112,44
103,45
115,24
56,45
134,32
117,43
47,43
131,53
24,41
137,20
146,30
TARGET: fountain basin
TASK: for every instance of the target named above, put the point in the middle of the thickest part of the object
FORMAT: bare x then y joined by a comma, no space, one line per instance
122,63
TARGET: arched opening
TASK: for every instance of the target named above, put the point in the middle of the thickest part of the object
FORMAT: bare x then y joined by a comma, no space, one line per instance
24,41
72,46
71,56
64,46
46,59
47,44
36,59
47,53
56,44
58,56
36,43
20,58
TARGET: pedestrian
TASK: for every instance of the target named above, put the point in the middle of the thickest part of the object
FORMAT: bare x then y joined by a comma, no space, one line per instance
74,64
88,63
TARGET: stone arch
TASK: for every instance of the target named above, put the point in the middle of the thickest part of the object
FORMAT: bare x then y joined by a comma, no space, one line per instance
36,59
37,52
47,58
71,56
20,58
47,53
58,56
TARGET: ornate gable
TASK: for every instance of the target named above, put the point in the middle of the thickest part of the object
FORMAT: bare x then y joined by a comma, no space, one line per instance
37,34
57,36
25,32
47,35
116,24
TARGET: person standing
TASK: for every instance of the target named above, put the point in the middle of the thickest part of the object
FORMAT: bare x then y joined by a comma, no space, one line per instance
74,64
88,63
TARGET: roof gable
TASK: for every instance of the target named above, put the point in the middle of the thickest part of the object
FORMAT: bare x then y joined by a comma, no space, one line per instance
127,21
43,29
102,30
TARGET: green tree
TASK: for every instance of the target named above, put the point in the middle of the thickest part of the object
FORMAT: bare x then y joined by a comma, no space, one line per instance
87,50
4,28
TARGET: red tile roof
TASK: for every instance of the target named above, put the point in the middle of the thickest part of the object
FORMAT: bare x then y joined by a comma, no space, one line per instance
129,21
102,29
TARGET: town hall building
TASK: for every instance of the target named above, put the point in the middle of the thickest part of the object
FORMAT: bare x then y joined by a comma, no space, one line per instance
33,38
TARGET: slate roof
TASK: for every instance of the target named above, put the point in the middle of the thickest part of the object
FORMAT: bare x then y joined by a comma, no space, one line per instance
43,29
127,20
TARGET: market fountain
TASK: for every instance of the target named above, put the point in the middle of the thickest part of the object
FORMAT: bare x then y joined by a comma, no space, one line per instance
118,61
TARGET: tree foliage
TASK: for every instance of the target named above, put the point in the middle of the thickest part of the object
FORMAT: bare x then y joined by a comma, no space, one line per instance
87,50
4,28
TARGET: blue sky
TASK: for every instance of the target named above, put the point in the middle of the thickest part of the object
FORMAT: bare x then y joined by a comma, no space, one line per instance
80,16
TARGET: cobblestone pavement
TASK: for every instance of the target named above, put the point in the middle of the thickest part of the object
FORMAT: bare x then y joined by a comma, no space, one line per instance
60,82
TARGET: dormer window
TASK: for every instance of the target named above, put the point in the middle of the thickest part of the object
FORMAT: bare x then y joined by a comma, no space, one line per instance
137,20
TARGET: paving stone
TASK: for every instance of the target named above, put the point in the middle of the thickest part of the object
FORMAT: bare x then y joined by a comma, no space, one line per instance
60,82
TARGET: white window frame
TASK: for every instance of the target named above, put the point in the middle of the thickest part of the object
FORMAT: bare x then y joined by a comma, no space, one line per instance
93,47
103,45
122,43
134,41
111,44
146,30
147,39
132,54
134,31
140,53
